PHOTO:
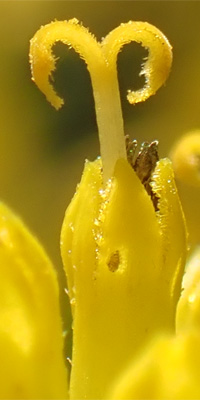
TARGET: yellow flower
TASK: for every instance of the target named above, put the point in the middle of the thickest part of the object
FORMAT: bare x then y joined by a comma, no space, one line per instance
123,248
123,245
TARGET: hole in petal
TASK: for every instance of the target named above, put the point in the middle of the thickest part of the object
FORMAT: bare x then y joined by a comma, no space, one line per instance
114,261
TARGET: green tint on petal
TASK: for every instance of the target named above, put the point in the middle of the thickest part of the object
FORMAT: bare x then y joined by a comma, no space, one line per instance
121,270
31,343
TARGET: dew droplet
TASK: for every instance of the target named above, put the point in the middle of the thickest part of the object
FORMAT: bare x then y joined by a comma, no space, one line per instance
192,298
73,301
71,226
96,222
66,291
101,192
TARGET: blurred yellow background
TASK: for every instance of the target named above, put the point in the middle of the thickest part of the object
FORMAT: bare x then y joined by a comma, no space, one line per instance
42,150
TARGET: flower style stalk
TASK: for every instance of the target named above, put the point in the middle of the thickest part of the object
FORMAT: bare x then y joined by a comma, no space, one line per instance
101,64
123,240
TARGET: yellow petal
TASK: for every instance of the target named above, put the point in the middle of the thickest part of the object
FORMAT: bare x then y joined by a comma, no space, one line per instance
188,315
121,270
31,343
173,228
168,369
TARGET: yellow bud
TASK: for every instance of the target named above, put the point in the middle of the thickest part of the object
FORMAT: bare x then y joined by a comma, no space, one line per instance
124,262
185,157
